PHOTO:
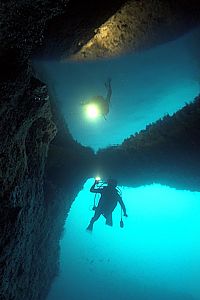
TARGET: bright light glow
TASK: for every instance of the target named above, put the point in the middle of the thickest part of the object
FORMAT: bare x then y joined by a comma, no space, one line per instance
92,111
98,178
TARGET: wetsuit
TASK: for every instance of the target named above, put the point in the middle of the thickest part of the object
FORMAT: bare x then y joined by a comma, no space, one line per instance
107,203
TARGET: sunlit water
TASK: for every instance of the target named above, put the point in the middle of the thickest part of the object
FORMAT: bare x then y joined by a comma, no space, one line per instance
146,86
155,256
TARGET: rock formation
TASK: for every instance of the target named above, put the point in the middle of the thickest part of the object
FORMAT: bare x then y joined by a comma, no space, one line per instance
33,205
139,25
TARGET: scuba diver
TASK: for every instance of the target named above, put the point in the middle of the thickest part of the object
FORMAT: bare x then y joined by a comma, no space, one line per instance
100,102
107,202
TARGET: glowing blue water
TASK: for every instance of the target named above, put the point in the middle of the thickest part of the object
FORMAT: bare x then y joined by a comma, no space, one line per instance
145,86
155,256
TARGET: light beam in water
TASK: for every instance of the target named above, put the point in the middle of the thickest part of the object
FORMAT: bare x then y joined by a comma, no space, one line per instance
92,111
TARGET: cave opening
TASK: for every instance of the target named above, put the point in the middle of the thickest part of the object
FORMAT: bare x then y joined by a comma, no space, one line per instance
155,256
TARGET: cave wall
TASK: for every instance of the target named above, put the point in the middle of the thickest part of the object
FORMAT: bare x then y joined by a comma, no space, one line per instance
67,33
33,204
26,131
34,199
140,25
166,152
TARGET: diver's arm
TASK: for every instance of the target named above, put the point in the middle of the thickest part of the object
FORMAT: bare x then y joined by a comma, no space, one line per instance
122,206
95,190
109,90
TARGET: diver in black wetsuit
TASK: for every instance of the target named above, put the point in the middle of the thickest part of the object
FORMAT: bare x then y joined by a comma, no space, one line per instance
107,203
101,102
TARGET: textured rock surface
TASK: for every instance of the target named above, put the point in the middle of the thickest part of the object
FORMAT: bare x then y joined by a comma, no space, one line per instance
67,33
166,152
140,25
31,221
27,129
33,209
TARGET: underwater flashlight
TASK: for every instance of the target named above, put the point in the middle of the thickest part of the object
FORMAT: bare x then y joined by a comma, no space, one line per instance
121,223
98,178
92,111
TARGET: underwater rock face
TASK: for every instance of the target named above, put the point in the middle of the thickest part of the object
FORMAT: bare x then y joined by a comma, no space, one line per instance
27,129
139,25
166,152
92,30
32,210
67,33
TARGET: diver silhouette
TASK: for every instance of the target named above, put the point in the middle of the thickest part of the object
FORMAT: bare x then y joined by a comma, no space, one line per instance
107,202
102,103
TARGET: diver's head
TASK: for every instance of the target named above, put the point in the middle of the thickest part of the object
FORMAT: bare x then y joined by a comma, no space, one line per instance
112,182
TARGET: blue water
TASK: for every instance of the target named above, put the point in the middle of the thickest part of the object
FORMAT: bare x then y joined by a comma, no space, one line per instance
146,86
155,256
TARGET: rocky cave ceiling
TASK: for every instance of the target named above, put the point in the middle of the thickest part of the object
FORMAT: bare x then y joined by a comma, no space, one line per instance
127,26
138,25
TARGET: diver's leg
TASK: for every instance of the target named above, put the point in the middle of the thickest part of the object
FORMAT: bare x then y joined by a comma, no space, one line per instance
94,219
109,90
109,220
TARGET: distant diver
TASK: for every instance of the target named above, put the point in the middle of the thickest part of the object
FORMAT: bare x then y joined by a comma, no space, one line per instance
99,105
107,202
